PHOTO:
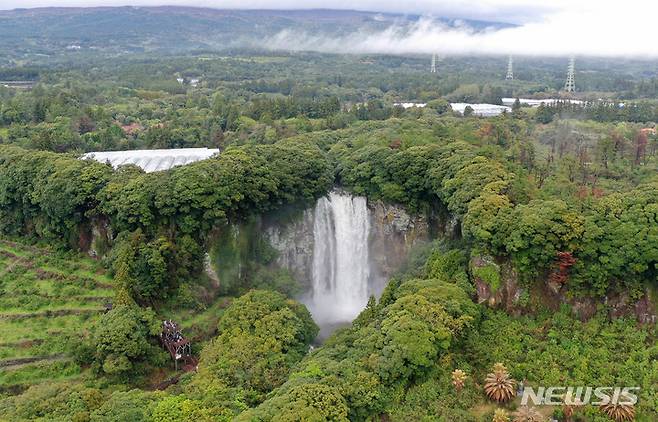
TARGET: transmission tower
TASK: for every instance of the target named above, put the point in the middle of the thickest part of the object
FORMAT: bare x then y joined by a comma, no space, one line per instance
570,84
433,68
510,69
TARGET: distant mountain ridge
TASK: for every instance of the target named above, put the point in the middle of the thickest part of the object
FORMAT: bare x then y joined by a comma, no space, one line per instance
176,28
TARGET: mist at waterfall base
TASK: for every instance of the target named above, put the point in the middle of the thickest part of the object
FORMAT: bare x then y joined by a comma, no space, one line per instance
342,280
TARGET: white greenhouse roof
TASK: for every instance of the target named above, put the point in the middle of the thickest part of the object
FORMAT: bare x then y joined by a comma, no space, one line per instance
410,105
151,160
483,110
536,103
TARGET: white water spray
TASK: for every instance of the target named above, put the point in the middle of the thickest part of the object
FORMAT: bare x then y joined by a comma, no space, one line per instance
341,265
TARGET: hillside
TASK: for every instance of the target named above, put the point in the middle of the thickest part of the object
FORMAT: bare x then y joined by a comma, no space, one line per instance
176,29
45,299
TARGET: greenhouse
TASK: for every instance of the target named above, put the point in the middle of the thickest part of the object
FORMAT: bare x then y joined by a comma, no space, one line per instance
536,103
482,110
151,160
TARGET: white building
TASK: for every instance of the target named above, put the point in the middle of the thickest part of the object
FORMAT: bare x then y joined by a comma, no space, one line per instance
409,105
481,110
151,160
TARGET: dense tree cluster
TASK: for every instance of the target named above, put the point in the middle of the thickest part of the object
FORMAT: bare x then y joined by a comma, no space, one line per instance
262,336
292,107
160,219
121,342
640,112
359,372
556,349
612,238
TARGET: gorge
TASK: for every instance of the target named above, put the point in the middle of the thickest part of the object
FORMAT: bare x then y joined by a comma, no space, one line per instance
340,271
342,251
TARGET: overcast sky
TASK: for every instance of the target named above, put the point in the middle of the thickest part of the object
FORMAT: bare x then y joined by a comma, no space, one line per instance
516,11
551,27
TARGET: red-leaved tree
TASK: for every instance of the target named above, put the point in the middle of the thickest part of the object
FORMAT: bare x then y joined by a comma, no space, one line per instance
565,261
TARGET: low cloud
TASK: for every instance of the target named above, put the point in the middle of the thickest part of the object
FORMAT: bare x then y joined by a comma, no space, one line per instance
555,28
590,32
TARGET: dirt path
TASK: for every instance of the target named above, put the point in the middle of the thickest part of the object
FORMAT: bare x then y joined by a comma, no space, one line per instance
21,362
51,313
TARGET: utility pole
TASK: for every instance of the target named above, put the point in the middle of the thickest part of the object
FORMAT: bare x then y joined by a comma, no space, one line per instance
510,69
570,84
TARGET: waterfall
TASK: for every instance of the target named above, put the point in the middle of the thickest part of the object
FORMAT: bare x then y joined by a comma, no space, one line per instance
341,269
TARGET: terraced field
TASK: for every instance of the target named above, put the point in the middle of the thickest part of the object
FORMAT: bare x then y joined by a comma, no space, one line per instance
45,300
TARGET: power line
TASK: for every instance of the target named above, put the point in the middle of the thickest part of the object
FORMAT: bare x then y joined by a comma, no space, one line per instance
570,84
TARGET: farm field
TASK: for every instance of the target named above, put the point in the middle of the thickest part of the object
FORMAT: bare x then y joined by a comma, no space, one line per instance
45,299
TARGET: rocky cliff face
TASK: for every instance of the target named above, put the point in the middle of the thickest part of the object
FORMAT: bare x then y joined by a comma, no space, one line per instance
96,238
293,241
393,233
497,285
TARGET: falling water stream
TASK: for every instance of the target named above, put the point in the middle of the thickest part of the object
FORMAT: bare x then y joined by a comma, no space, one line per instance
341,264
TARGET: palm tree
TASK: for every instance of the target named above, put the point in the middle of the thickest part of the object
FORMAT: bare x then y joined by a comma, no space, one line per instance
458,379
498,384
569,408
527,414
619,412
500,415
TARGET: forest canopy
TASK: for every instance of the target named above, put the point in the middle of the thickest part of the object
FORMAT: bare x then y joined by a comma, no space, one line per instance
540,267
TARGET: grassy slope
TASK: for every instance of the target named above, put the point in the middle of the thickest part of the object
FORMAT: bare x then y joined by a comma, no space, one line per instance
44,301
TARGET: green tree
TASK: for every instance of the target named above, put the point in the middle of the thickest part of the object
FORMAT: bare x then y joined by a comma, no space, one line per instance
262,335
179,408
121,341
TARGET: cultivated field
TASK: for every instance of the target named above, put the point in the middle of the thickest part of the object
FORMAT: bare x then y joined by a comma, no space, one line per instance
45,300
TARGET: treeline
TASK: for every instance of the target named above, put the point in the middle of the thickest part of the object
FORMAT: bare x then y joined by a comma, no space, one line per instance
73,120
25,73
158,221
283,108
474,93
612,238
600,111
79,119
